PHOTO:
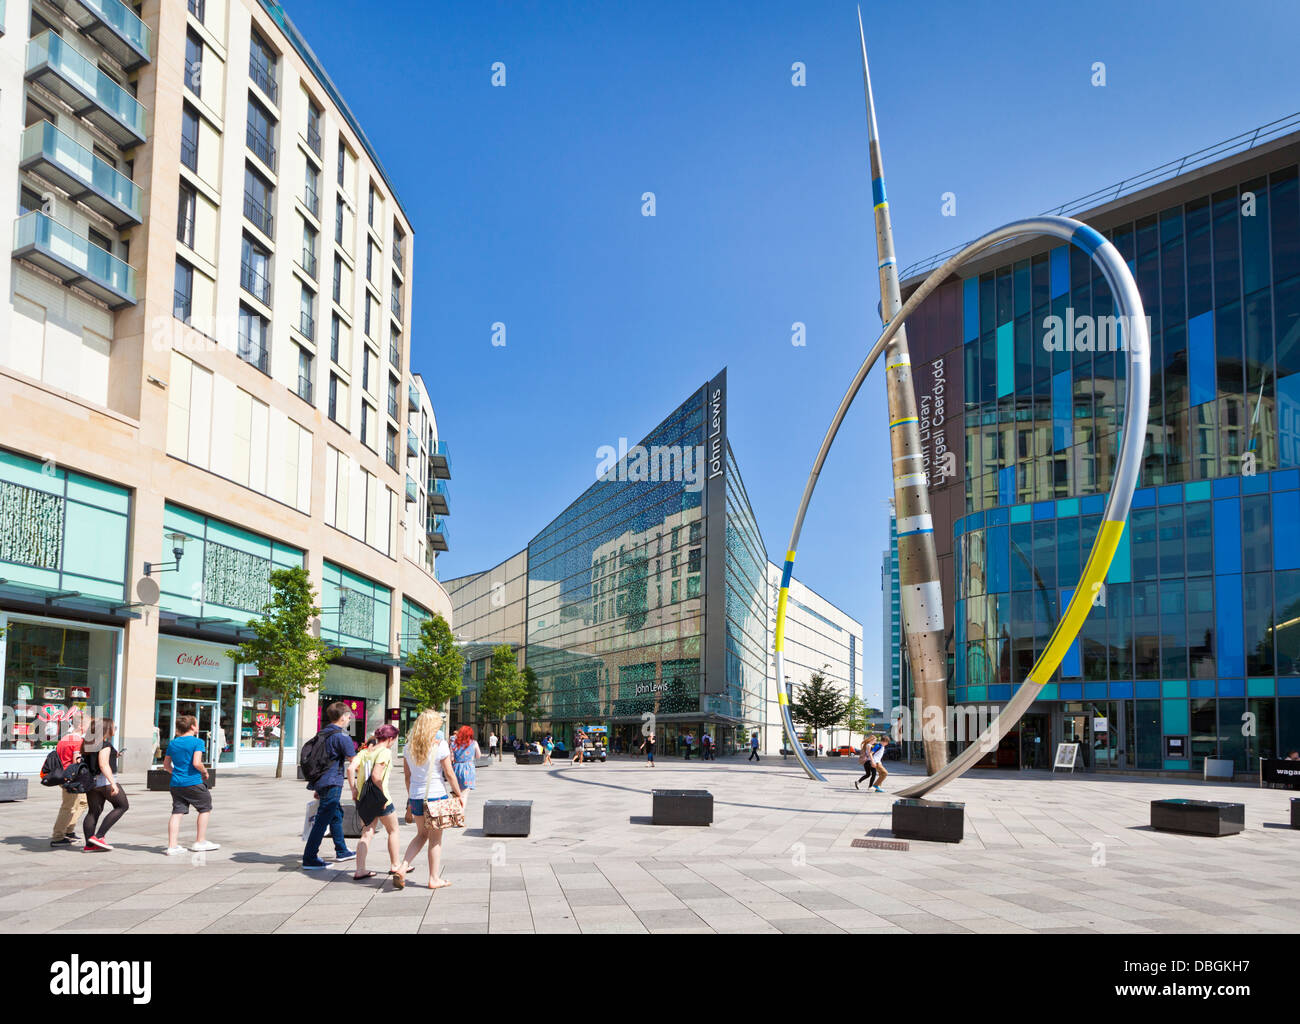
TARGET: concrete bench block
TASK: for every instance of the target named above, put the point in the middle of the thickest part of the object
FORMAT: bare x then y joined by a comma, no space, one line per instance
938,821
507,817
13,789
1295,812
483,762
351,821
529,758
682,807
1198,817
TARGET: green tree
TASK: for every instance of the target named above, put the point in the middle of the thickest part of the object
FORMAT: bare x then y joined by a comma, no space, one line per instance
289,658
856,715
532,705
819,704
437,666
503,692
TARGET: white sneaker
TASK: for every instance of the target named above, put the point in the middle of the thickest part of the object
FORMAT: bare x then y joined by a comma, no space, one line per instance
173,851
205,847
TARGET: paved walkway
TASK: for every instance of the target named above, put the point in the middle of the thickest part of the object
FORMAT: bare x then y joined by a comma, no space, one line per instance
1042,854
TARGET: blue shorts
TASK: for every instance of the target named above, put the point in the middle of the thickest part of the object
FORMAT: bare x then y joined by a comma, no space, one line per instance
416,807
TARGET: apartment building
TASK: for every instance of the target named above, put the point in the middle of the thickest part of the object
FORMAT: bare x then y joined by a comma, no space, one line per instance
204,341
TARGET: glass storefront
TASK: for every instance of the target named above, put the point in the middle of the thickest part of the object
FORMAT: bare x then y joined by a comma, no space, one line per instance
366,693
52,667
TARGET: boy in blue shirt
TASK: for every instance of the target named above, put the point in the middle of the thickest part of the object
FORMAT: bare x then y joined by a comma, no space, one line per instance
185,761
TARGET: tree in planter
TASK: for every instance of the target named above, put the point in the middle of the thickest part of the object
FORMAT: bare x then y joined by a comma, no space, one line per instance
819,704
437,667
289,659
503,692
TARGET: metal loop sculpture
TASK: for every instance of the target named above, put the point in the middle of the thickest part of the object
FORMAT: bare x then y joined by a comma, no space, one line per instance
1135,339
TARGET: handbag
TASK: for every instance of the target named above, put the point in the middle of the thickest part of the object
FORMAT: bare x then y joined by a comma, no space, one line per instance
451,811
371,801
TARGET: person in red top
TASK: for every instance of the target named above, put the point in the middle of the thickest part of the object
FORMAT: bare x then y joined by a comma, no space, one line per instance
74,804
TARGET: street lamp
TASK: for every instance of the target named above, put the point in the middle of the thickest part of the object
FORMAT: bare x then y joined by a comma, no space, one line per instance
178,549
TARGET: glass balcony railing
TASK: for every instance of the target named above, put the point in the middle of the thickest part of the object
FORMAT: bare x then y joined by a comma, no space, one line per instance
412,398
412,442
62,69
311,200
439,496
118,29
439,537
74,259
304,388
440,460
395,304
392,406
412,490
308,263
79,171
395,354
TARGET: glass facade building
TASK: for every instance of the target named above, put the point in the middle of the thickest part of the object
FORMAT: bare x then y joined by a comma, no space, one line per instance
1192,651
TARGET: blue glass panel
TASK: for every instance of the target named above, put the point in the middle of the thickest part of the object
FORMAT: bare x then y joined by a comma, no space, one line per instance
1177,720
1062,412
1199,491
1045,510
1200,358
971,308
1147,689
1144,498
1257,484
1006,486
975,521
1227,535
1093,504
1288,687
998,554
1067,507
1286,480
1230,624
1226,487
1171,495
1001,691
1202,687
1288,420
1120,691
1000,516
1070,691
1094,691
1232,688
1060,264
1121,570
1286,541
1006,359
1020,513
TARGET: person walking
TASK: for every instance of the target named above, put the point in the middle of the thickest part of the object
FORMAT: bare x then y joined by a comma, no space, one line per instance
100,757
706,747
753,748
188,786
374,802
73,804
868,763
340,750
548,745
878,759
688,740
434,797
464,750
579,738
648,745
492,743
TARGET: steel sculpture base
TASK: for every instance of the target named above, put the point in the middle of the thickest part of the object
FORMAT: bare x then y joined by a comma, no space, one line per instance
936,821
1198,817
682,807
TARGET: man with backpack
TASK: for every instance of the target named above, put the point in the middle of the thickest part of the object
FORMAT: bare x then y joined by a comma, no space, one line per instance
73,806
324,762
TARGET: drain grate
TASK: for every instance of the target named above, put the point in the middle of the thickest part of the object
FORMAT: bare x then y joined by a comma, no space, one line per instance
880,844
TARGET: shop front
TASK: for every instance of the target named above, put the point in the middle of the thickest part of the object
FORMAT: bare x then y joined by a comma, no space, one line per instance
364,692
238,720
53,668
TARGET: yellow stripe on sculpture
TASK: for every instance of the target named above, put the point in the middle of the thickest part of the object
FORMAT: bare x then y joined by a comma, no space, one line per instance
780,618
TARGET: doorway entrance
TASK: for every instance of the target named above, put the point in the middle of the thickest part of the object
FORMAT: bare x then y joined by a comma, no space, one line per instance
1035,741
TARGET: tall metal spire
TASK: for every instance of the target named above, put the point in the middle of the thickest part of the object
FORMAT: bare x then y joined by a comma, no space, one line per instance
918,565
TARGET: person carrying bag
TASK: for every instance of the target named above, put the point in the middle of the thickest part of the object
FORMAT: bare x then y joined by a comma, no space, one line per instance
429,772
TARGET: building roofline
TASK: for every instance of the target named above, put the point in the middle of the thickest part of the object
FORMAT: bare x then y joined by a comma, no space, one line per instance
820,597
314,65
1211,160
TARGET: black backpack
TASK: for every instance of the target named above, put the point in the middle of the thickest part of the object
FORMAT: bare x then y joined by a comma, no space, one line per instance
52,769
77,778
316,758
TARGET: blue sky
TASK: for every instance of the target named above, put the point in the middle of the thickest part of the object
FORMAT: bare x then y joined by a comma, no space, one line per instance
526,204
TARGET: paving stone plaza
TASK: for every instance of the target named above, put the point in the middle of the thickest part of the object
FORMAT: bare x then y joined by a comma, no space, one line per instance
1042,854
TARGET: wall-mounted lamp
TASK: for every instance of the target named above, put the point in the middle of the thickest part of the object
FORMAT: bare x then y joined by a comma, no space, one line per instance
178,549
343,601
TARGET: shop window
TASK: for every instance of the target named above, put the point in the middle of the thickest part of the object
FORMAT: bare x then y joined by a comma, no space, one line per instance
262,716
50,670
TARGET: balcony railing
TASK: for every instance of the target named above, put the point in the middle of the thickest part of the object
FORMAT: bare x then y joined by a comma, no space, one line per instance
256,355
304,388
390,455
261,146
439,496
181,306
62,69
395,304
412,398
440,460
395,355
82,174
307,325
313,139
311,200
42,241
412,442
412,490
258,215
115,27
393,409
308,263
439,537
255,283
399,260
190,153
264,77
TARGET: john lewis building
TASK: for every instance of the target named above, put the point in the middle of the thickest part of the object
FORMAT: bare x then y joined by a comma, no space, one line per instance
204,348
1196,651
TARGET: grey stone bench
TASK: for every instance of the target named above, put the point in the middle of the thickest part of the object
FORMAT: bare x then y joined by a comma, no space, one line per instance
522,757
682,807
483,762
507,817
12,788
1295,812
1198,817
938,821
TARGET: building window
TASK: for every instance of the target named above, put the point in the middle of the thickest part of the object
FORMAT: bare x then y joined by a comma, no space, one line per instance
257,201
183,291
197,8
313,128
334,398
336,328
366,424
306,363
392,397
255,271
395,349
370,206
399,240
309,250
367,316
370,260
252,338
365,370
261,132
307,314
310,192
390,449
338,278
338,221
261,66
193,62
343,156
185,210
189,138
